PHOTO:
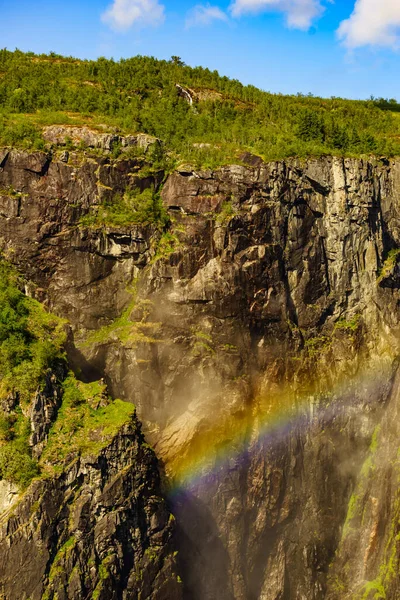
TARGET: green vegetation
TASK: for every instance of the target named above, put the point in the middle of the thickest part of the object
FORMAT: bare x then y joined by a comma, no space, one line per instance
374,586
389,567
16,463
167,244
80,427
202,344
351,513
356,497
351,326
10,191
18,132
317,345
379,588
56,567
226,213
31,339
230,348
124,329
152,553
31,342
373,447
132,207
389,264
140,94
104,574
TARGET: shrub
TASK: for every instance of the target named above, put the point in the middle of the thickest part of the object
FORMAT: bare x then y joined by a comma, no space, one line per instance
6,427
80,428
31,340
131,208
17,466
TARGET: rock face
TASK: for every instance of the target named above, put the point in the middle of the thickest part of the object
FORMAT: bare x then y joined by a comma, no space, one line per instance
44,408
60,135
98,530
369,545
8,495
41,203
260,350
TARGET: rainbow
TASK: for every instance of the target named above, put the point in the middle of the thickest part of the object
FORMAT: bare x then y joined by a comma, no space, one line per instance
232,441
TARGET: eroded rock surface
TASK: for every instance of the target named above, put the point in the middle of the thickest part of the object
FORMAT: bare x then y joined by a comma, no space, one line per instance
100,529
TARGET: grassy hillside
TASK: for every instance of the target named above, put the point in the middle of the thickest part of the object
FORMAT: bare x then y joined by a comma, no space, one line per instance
140,94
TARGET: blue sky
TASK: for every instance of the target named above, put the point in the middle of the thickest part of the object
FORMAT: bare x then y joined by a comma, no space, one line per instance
348,48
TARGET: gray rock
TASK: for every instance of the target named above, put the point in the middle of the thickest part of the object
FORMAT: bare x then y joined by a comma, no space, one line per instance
59,135
8,495
44,408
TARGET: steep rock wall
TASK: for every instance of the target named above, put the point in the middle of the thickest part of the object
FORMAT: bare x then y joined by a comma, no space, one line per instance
260,353
99,529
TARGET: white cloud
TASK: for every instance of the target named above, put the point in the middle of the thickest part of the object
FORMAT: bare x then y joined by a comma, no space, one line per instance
122,14
373,22
299,13
205,15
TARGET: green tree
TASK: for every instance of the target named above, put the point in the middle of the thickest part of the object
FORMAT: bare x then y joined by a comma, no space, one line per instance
176,60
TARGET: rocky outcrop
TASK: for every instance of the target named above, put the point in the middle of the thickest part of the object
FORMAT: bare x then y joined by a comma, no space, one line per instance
44,408
8,494
43,202
99,529
260,350
60,135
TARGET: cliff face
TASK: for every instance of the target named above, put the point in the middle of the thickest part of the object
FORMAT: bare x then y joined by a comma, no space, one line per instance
258,340
99,529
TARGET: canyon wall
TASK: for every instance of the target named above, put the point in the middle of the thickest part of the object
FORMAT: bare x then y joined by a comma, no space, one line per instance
257,336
